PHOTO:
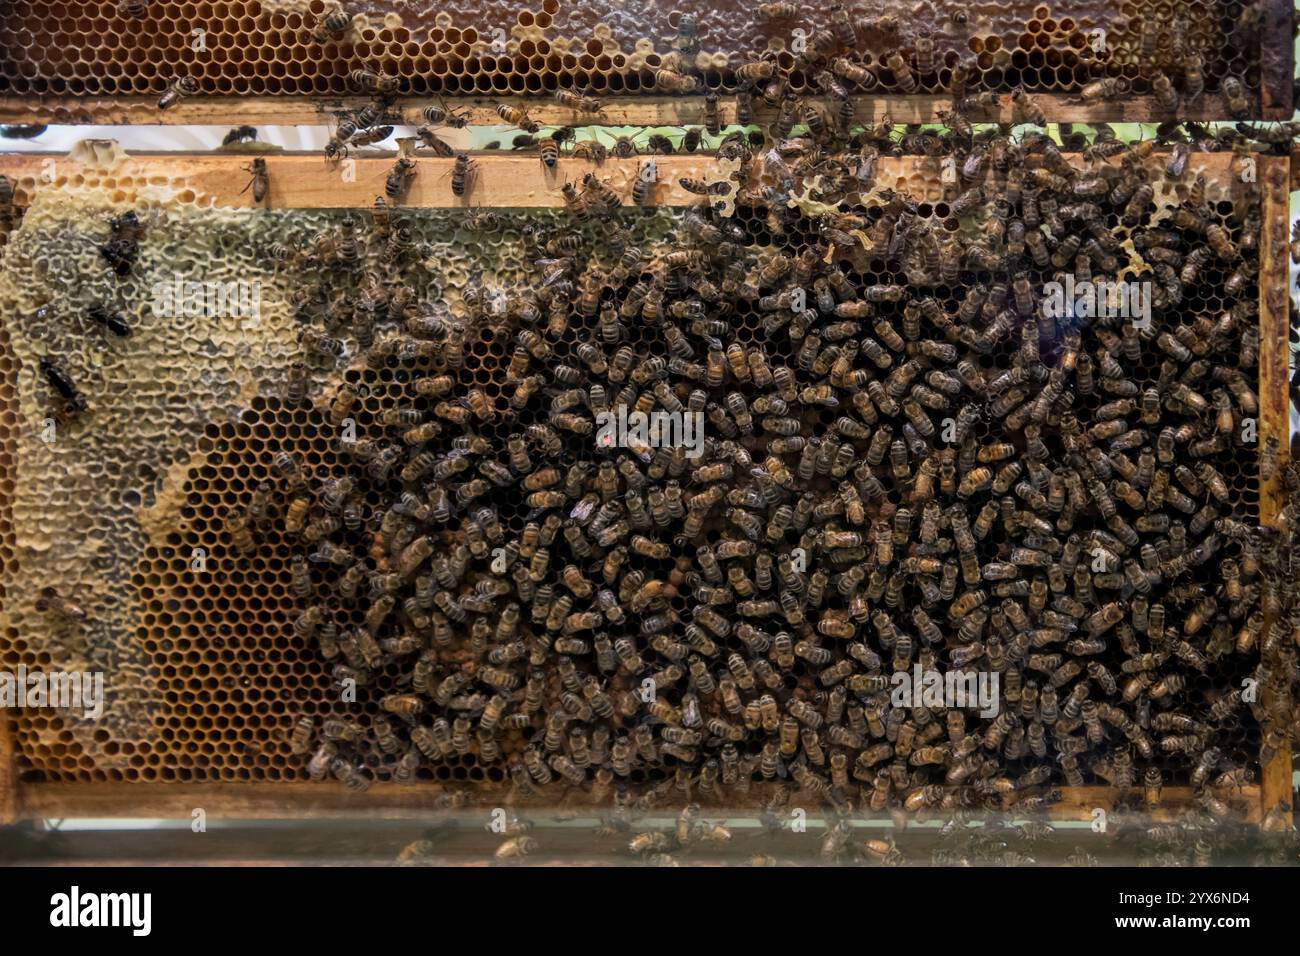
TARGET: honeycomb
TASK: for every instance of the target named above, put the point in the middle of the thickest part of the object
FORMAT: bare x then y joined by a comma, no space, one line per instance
207,674
609,47
197,410
154,373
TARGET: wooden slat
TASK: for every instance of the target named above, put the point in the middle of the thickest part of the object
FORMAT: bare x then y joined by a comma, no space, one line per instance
8,773
397,801
1277,59
504,180
233,800
1274,315
1081,803
649,110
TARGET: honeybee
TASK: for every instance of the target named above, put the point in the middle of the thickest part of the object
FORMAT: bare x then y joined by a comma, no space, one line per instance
590,150
51,601
300,739
240,134
431,140
331,26
240,530
6,204
259,504
670,82
295,513
368,81
924,54
443,115
368,137
1104,89
517,117
903,75
549,149
399,179
62,383
1234,92
1193,77
285,464
642,190
578,102
180,88
462,175
114,322
1268,459
767,12
1026,109
316,342
260,182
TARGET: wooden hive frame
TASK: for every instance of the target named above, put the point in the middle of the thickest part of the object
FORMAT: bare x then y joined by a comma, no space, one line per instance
1274,102
513,181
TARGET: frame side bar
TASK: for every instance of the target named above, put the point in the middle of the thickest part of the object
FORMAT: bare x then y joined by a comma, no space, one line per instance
1274,316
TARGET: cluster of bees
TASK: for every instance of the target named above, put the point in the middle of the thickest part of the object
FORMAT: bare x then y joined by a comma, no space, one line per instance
908,462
